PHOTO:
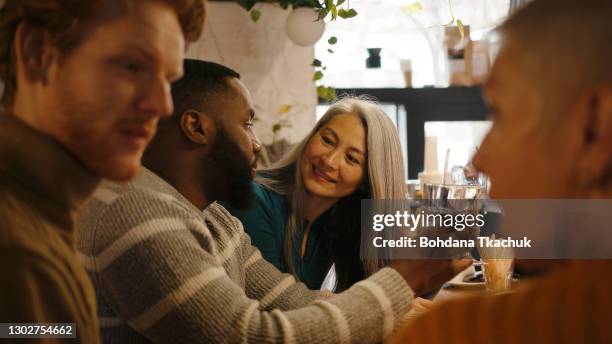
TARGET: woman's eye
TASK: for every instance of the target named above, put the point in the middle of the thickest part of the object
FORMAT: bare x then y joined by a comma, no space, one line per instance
352,159
248,125
326,140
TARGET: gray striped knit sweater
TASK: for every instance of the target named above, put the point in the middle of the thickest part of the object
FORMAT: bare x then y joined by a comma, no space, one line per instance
166,272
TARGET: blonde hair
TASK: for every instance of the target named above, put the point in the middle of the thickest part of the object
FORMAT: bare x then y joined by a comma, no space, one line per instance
384,168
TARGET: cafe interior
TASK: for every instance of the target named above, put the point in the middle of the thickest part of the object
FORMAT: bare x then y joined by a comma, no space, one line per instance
483,219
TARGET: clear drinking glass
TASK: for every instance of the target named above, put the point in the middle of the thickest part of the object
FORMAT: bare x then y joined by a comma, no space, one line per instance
497,274
462,176
461,181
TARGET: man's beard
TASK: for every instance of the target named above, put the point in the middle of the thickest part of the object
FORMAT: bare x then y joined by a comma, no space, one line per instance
228,176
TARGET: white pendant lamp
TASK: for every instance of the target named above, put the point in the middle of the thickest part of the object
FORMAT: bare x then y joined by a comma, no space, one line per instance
303,28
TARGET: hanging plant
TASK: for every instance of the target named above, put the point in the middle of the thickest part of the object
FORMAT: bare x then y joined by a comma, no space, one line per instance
303,28
416,7
323,7
308,35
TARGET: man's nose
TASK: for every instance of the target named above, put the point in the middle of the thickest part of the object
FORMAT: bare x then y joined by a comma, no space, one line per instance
157,99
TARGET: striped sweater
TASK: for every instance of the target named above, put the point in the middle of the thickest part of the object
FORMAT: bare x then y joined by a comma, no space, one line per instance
167,272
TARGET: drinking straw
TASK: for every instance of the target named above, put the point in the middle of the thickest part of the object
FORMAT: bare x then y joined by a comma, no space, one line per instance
446,158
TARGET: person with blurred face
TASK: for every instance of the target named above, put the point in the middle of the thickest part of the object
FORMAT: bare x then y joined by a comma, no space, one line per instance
551,105
170,264
84,86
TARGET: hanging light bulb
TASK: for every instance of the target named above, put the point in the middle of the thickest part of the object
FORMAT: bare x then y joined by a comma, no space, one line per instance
303,28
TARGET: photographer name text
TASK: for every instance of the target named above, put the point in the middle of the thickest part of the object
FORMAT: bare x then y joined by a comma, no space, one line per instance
437,242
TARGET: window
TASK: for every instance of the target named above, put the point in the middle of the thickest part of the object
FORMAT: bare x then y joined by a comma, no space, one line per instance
418,37
463,137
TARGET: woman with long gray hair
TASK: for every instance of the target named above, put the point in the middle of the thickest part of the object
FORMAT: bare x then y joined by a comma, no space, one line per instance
307,211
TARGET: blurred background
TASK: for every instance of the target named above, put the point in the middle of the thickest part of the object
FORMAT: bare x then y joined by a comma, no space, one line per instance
422,60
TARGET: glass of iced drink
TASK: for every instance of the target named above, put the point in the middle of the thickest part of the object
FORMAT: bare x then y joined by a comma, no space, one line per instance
497,274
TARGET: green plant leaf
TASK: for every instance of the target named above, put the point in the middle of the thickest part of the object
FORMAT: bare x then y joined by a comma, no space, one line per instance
321,93
316,63
247,4
340,2
334,13
412,8
461,29
255,14
327,93
329,4
332,40
346,14
318,75
330,51
322,14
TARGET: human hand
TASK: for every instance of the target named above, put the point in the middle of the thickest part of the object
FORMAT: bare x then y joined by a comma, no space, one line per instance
421,305
425,275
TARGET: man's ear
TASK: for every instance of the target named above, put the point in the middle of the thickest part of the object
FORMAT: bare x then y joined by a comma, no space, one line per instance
596,155
33,51
197,127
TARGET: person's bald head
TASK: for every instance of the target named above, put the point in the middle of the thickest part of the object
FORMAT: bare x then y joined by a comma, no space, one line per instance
563,45
550,98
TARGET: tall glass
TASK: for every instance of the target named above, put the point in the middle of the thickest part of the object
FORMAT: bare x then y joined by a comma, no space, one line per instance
497,274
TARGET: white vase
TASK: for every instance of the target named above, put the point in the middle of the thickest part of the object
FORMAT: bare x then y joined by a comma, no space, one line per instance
303,28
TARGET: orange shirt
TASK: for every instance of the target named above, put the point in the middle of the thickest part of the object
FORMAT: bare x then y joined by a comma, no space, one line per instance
572,304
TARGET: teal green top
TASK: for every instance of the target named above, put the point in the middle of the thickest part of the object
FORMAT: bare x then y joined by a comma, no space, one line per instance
265,222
